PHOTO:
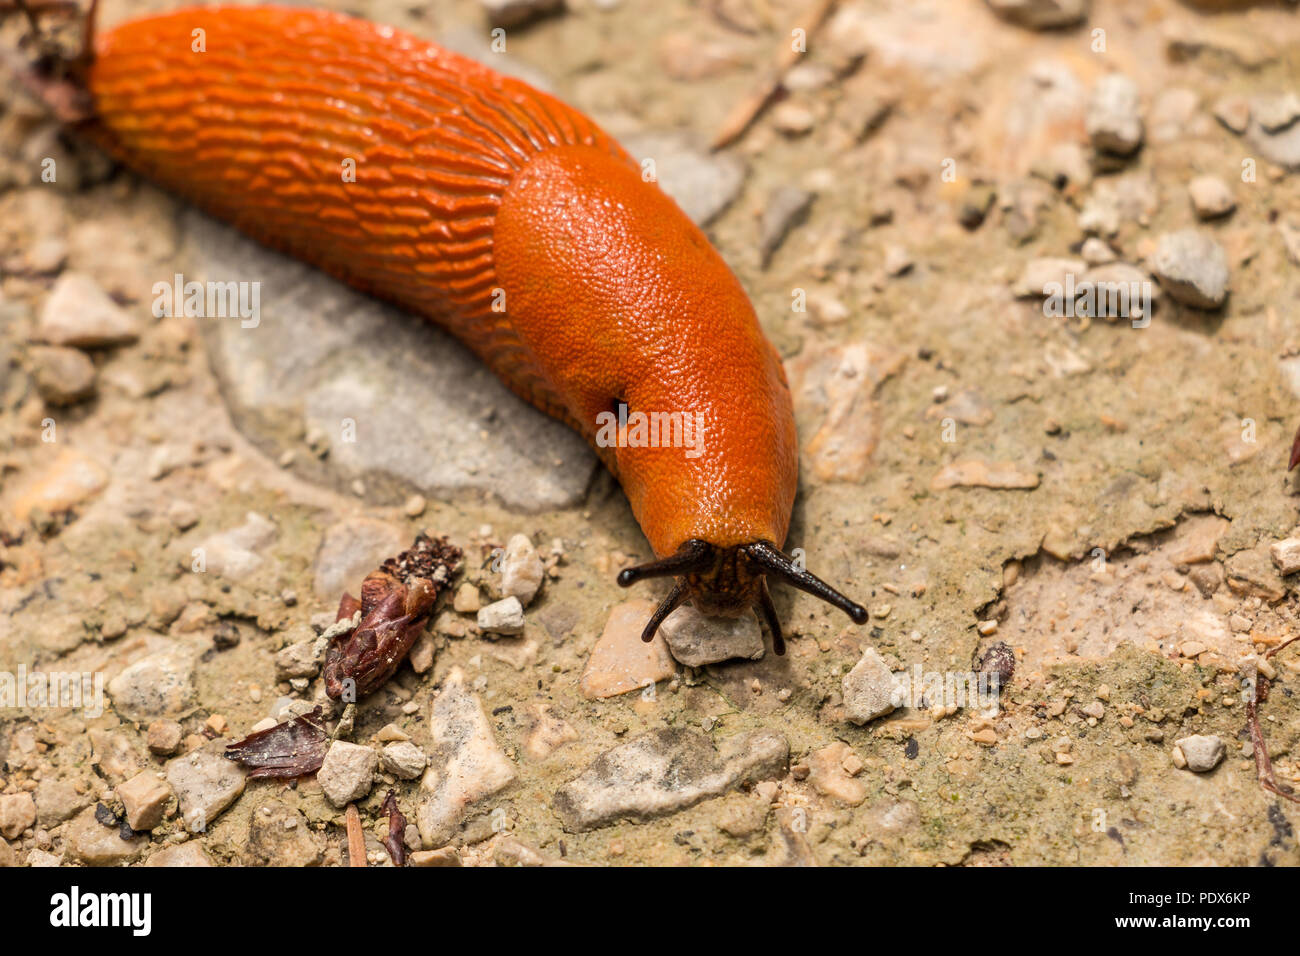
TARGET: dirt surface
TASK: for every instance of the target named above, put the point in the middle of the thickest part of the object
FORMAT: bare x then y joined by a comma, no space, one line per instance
1101,495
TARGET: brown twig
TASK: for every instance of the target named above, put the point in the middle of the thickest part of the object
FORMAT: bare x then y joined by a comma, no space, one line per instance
1263,765
356,838
748,109
395,842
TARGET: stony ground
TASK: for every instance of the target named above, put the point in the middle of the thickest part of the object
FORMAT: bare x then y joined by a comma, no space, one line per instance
184,500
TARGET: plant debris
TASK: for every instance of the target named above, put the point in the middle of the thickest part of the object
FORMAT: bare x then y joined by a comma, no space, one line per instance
395,842
1264,766
293,748
999,663
395,603
356,837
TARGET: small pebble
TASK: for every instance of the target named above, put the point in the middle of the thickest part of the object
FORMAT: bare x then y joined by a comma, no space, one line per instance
1193,268
503,617
1201,753
1211,197
1114,118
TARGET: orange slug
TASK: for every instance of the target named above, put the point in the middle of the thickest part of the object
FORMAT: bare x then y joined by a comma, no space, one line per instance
508,218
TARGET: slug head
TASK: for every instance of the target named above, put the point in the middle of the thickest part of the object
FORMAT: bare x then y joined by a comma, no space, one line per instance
725,581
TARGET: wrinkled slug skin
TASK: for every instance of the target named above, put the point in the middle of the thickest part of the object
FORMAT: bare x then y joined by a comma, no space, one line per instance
470,188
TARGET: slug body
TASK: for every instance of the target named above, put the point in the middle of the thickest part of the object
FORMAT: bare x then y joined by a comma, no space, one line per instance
501,214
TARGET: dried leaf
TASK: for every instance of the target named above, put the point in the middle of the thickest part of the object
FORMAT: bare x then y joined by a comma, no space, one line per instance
395,842
293,748
395,603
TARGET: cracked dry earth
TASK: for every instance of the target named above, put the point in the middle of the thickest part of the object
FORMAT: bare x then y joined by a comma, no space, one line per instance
1110,502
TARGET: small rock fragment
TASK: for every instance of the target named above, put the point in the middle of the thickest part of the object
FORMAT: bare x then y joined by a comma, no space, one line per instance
1211,197
838,386
164,737
1199,539
521,570
350,550
622,662
300,659
160,685
1275,112
1096,251
1045,275
347,773
205,783
1252,573
446,856
17,813
975,205
503,617
1274,128
235,552
403,759
93,843
1193,268
1233,112
869,689
897,260
1202,753
144,797
80,314
829,777
467,600
983,474
793,119
184,855
57,799
696,640
704,184
549,732
278,835
1114,117
1286,555
63,376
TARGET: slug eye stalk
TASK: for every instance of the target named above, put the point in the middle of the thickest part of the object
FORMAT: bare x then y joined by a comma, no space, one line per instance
733,578
767,557
694,555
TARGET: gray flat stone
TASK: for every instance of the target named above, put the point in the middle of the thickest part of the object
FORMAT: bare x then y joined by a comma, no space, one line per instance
696,639
1274,129
425,413
205,783
704,184
466,764
665,771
